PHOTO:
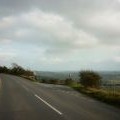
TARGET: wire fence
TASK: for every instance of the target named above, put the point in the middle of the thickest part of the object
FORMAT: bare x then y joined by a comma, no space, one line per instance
111,86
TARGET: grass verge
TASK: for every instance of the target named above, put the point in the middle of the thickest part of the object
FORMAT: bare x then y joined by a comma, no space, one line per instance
100,94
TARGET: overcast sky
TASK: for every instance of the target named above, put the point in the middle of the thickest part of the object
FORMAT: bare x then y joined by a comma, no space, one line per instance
56,35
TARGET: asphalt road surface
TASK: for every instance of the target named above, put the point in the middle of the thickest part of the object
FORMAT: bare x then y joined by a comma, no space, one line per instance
21,99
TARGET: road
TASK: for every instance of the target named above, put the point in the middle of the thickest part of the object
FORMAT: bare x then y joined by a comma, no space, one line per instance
21,99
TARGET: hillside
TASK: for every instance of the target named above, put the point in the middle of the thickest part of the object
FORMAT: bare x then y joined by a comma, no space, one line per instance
75,75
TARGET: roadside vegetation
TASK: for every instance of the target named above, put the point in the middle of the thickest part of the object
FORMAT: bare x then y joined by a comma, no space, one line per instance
90,84
90,79
19,71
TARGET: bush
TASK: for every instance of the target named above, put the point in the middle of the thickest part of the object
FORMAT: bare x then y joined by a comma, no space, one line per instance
90,79
68,81
18,70
53,81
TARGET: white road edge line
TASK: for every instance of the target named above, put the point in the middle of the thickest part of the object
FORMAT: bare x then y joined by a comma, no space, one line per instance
48,105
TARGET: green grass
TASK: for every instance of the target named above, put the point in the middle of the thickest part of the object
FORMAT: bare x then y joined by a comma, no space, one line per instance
115,89
112,98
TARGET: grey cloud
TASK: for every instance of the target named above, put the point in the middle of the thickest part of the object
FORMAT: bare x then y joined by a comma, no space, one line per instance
78,11
59,36
68,8
80,17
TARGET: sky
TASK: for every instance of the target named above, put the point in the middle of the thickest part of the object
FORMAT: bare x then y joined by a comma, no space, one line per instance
60,35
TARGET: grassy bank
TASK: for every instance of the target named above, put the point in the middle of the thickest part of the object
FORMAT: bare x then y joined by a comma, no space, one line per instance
99,94
31,78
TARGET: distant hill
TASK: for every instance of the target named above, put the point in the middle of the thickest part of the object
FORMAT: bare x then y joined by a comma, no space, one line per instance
110,75
75,75
57,75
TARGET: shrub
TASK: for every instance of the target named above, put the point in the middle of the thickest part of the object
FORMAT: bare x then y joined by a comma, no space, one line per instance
53,81
90,79
68,81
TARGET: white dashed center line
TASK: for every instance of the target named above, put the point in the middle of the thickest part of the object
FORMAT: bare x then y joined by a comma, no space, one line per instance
48,105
